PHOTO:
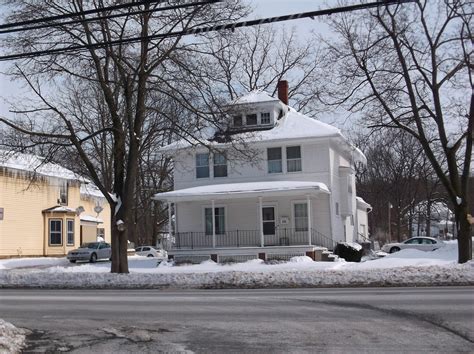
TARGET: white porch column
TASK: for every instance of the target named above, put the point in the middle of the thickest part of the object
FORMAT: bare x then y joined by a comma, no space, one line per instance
169,220
213,224
308,202
260,218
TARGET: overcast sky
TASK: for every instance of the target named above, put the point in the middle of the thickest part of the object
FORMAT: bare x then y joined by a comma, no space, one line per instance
14,91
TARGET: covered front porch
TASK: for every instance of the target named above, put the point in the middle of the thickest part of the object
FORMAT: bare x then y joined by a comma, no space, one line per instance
280,214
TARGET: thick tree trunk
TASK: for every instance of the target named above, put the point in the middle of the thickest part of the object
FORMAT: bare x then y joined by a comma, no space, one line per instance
463,228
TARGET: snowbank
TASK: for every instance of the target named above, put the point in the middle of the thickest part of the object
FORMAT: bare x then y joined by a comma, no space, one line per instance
12,339
407,267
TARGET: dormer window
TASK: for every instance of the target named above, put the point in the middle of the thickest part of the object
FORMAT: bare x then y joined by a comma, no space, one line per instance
237,121
251,119
265,118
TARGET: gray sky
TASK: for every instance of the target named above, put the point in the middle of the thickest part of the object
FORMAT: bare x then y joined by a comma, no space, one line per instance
15,91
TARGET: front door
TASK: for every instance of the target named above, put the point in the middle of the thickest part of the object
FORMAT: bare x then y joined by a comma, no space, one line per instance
268,220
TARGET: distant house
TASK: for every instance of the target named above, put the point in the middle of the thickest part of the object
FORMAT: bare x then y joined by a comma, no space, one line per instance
297,196
46,209
433,219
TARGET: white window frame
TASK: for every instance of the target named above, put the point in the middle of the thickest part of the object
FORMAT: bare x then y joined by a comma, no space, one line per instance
50,233
201,166
281,160
214,165
293,214
68,232
269,118
204,217
287,159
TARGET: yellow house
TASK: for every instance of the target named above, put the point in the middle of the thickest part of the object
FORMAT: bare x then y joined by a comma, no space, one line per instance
46,209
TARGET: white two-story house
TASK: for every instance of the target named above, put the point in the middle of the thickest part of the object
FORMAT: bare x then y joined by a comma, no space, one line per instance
295,195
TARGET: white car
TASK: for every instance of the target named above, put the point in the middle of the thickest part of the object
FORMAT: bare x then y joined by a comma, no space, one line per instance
421,243
150,251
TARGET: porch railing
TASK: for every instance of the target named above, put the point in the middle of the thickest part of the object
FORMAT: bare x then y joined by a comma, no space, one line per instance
251,238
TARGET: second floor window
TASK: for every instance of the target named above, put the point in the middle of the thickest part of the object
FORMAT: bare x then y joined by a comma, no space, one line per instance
63,194
293,158
274,160
265,118
220,165
237,121
251,119
202,165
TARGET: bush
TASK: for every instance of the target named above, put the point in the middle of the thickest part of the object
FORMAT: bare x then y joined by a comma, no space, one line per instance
349,253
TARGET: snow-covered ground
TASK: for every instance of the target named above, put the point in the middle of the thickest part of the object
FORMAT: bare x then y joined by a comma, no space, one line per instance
12,339
407,267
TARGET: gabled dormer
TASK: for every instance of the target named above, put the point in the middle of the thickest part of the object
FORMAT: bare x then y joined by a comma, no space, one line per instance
257,110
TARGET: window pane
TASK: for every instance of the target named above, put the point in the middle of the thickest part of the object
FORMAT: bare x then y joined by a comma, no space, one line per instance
274,153
268,214
293,156
265,118
251,119
220,165
293,152
55,232
301,217
294,165
274,160
70,232
219,220
237,121
269,228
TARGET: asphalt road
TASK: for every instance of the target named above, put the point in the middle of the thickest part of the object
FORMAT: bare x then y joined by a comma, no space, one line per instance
411,320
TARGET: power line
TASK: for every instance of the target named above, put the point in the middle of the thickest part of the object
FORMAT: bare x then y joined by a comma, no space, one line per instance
81,13
90,19
231,26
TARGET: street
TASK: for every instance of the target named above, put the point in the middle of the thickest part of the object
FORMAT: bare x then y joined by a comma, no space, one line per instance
435,320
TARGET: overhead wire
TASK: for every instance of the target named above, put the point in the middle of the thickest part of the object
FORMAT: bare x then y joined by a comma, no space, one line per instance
80,13
106,17
199,30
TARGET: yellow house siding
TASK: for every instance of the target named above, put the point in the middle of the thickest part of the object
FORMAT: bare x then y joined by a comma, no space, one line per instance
24,230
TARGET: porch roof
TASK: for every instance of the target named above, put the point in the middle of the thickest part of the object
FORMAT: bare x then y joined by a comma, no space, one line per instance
243,190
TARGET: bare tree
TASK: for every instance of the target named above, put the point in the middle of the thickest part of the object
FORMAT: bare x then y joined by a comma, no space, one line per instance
259,57
408,67
122,76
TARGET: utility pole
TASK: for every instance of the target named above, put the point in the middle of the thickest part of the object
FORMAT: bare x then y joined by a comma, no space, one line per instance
389,223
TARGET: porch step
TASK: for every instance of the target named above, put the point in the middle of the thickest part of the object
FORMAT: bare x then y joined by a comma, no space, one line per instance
328,256
284,256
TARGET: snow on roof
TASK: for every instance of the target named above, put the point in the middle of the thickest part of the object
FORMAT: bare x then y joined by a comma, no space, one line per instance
91,190
363,203
295,125
90,218
34,164
256,96
243,190
60,209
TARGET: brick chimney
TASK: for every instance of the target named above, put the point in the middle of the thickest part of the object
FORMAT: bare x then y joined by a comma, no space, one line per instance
283,91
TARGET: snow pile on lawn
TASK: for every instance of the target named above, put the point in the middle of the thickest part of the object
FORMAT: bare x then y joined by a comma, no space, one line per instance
12,339
407,267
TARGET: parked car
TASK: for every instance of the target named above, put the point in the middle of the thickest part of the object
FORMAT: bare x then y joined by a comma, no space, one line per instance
91,252
418,243
150,251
